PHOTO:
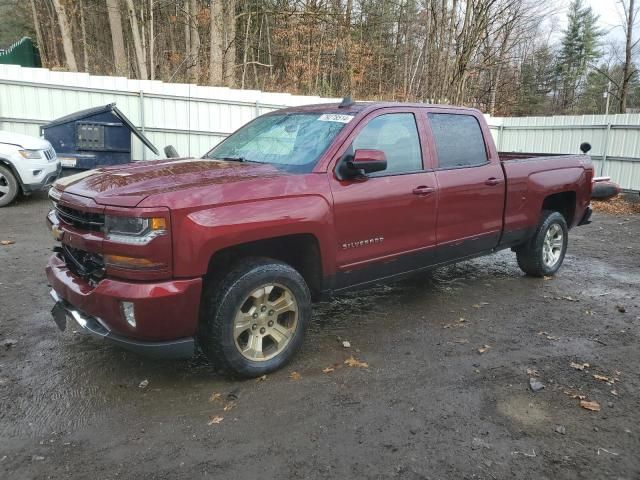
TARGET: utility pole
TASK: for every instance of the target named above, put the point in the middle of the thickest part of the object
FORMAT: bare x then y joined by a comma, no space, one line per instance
608,97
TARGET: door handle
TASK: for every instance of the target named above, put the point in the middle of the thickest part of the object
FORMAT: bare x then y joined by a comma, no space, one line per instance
423,190
493,181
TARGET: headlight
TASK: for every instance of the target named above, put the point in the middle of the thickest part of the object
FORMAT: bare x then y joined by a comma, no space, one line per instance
31,154
133,229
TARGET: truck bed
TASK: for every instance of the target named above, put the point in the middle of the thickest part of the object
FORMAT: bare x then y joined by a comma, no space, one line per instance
535,181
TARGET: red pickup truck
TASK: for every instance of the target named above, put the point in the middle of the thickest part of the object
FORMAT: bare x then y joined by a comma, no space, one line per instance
226,253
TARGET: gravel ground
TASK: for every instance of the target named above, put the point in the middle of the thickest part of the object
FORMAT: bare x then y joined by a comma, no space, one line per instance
428,405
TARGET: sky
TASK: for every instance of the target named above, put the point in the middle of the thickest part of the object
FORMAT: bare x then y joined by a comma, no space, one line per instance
610,16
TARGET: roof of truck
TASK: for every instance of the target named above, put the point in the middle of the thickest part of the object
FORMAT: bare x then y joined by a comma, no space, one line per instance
357,107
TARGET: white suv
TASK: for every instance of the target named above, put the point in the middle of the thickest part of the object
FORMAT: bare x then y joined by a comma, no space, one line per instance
27,164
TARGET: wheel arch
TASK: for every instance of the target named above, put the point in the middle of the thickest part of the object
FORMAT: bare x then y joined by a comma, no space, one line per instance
563,203
301,251
6,163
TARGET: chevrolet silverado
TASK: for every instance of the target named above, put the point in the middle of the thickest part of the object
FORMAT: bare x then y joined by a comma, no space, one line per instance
226,253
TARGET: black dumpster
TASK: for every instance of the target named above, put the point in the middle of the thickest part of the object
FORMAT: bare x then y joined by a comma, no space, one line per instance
93,137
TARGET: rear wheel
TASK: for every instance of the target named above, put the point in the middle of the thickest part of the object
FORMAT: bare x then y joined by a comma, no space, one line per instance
8,186
254,319
544,253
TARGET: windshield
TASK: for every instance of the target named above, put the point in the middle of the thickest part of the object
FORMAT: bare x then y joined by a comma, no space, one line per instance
291,141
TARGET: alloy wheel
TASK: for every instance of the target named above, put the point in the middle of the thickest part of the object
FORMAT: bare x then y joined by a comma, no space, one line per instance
552,246
266,322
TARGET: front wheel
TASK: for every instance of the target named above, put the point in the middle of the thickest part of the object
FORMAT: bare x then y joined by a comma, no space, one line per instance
544,253
254,319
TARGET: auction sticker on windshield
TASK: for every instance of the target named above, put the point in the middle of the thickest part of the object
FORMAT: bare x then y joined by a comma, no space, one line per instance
335,117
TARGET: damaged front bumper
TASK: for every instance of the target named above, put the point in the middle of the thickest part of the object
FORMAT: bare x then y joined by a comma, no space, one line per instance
63,312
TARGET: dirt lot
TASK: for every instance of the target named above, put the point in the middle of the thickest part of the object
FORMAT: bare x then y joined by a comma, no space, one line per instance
428,405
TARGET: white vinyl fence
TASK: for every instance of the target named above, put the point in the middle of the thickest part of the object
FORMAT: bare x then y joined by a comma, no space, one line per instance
192,118
615,140
195,118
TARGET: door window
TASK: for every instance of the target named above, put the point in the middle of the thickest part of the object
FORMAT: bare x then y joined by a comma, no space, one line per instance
396,135
459,141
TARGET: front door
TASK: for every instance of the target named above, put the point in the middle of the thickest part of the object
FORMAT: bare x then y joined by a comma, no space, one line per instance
385,224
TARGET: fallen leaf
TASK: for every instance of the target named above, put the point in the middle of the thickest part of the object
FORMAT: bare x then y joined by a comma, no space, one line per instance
480,305
547,278
215,397
453,325
328,370
607,451
483,349
532,372
587,405
229,406
602,378
353,362
579,366
566,297
215,420
261,379
577,396
346,344
547,336
295,376
7,242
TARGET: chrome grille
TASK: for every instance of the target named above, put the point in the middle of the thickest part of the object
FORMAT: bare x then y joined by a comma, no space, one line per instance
50,154
79,219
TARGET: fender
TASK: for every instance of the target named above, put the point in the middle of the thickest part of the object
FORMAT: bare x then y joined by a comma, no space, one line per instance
205,232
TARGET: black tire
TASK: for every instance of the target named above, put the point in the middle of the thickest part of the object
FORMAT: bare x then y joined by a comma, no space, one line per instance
223,298
9,187
531,255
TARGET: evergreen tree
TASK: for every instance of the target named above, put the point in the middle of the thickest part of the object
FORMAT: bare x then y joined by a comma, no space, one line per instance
536,83
579,49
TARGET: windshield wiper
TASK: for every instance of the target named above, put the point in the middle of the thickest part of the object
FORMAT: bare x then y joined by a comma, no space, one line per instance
234,159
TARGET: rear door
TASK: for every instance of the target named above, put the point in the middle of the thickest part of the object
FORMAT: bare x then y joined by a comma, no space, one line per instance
470,185
385,223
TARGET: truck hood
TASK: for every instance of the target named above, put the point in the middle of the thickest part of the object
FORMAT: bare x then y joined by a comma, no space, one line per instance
25,141
128,186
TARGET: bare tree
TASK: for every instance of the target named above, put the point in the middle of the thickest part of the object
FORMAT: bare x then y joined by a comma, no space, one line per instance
36,25
137,42
194,38
152,42
216,52
117,37
628,69
67,36
222,47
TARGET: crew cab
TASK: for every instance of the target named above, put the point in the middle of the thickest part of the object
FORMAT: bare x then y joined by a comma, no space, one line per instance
225,253
27,164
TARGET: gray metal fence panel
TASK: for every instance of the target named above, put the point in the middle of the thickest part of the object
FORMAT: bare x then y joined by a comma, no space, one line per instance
195,118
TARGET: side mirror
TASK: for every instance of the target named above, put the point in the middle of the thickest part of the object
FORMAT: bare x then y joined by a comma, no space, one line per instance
363,161
585,147
171,152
